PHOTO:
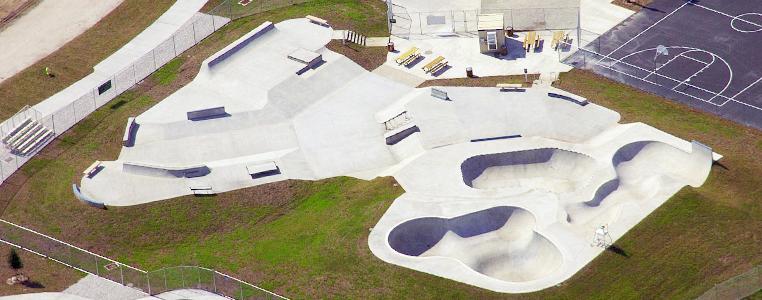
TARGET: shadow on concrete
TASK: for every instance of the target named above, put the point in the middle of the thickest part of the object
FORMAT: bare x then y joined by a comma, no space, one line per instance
651,8
415,62
721,165
442,70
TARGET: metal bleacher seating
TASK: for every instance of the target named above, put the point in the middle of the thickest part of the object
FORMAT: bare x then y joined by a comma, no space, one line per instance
26,137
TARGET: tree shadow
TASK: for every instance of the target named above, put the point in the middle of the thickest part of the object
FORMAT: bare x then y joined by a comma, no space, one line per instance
33,284
617,250
645,6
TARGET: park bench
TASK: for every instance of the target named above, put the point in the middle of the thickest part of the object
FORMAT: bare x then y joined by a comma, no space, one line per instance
435,65
408,56
317,20
509,86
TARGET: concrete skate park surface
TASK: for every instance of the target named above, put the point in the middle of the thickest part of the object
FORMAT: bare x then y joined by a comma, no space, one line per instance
504,189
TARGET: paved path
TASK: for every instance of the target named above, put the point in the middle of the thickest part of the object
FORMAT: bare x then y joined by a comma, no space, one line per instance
45,28
94,287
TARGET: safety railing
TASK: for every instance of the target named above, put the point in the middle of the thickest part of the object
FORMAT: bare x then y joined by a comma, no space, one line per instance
738,287
151,283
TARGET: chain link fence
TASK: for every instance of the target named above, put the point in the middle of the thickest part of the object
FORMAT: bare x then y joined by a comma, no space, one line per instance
236,9
151,283
405,24
738,287
583,49
92,92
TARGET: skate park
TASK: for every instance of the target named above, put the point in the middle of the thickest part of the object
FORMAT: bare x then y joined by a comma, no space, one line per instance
494,186
505,188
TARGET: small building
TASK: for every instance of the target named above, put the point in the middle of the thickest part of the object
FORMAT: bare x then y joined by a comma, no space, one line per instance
491,32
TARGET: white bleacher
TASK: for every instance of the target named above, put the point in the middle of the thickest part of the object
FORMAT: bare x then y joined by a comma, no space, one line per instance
26,137
17,129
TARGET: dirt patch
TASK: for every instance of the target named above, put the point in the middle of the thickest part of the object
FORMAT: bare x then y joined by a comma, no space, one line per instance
489,81
369,58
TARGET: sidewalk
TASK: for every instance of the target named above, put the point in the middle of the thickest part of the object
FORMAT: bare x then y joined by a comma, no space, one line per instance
45,28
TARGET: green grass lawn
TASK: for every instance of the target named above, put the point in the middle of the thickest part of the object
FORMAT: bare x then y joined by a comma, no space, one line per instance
755,296
308,239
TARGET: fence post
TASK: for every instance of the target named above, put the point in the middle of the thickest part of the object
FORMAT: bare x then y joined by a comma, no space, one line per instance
165,281
97,269
121,272
214,281
198,271
95,102
153,54
174,47
148,281
240,285
420,24
182,276
193,26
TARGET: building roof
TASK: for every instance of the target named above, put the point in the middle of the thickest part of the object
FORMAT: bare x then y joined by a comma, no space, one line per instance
489,21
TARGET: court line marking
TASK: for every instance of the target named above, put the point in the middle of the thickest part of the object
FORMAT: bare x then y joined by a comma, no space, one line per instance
656,84
727,99
689,49
738,17
699,72
726,14
644,31
660,75
679,92
746,88
676,57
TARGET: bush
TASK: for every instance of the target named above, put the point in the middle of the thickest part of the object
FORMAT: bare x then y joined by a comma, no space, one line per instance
14,261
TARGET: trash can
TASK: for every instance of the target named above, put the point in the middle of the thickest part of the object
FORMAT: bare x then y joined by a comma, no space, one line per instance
469,72
390,46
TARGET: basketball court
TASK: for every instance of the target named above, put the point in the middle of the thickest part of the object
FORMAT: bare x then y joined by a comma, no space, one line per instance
704,53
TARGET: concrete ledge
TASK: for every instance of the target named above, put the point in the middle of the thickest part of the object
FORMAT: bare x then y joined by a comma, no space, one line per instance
128,140
166,171
206,114
569,97
496,138
239,44
263,170
85,199
93,169
401,134
199,190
